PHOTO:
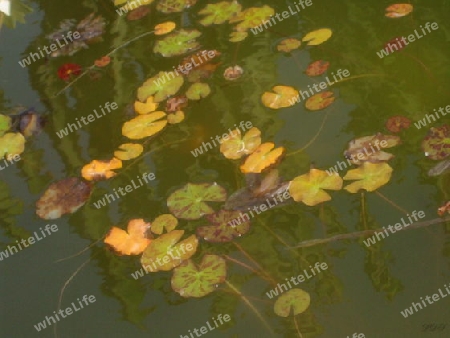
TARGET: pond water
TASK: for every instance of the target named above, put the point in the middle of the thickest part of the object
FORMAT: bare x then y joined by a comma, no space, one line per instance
355,289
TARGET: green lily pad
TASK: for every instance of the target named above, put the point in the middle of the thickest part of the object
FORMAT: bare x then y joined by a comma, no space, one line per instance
191,281
227,225
177,43
436,144
5,124
189,201
219,13
174,6
162,86
164,254
252,17
298,299
198,91
11,144
167,221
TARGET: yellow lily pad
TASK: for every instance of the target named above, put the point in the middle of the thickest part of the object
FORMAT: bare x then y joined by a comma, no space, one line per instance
288,45
238,36
147,107
369,176
317,37
161,86
176,117
309,188
167,221
284,96
144,125
164,28
128,151
262,158
235,147
11,144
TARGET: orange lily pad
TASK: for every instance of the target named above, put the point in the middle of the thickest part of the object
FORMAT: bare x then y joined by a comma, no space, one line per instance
130,242
164,28
235,147
320,101
147,107
317,68
398,10
262,158
396,123
288,45
98,170
128,151
283,97
309,188
144,125
369,176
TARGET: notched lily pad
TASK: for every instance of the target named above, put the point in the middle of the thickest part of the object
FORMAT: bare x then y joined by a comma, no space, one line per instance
284,96
63,197
198,91
369,176
227,225
189,201
11,144
295,299
177,43
161,86
192,281
144,125
167,221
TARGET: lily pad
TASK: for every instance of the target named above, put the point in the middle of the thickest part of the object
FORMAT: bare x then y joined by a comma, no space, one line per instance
161,86
219,13
252,17
165,27
369,176
166,252
288,45
11,144
368,148
99,170
130,242
176,117
177,43
174,6
296,299
144,108
5,124
144,125
227,225
320,101
436,144
192,281
238,36
165,221
398,10
128,151
309,188
189,201
235,146
283,97
198,91
317,37
63,197
262,158
317,68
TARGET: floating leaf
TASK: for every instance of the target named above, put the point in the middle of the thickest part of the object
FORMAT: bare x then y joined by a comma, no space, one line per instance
396,123
176,103
147,107
164,28
317,68
128,151
189,201
284,96
233,73
235,147
5,124
219,13
436,144
165,221
176,117
398,10
262,158
297,299
102,62
368,148
98,170
162,86
317,37
227,225
369,176
309,188
252,17
177,43
198,91
238,36
130,242
144,125
288,45
192,281
11,144
174,6
63,197
320,101
166,252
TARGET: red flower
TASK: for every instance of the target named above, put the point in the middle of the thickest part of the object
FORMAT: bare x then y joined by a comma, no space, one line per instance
396,123
67,70
396,44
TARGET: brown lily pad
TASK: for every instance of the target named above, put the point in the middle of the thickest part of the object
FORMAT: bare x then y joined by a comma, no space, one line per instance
227,225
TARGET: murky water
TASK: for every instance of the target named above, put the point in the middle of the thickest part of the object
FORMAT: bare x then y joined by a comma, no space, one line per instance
362,290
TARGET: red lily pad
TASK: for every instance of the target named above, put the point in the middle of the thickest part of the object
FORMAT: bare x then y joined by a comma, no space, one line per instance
317,68
63,197
192,281
436,144
396,123
227,225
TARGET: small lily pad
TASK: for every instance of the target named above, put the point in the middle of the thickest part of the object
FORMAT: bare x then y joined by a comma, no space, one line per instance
5,124
165,252
436,144
166,221
161,85
297,299
128,151
192,281
177,43
189,201
11,144
369,176
198,91
227,225
144,125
